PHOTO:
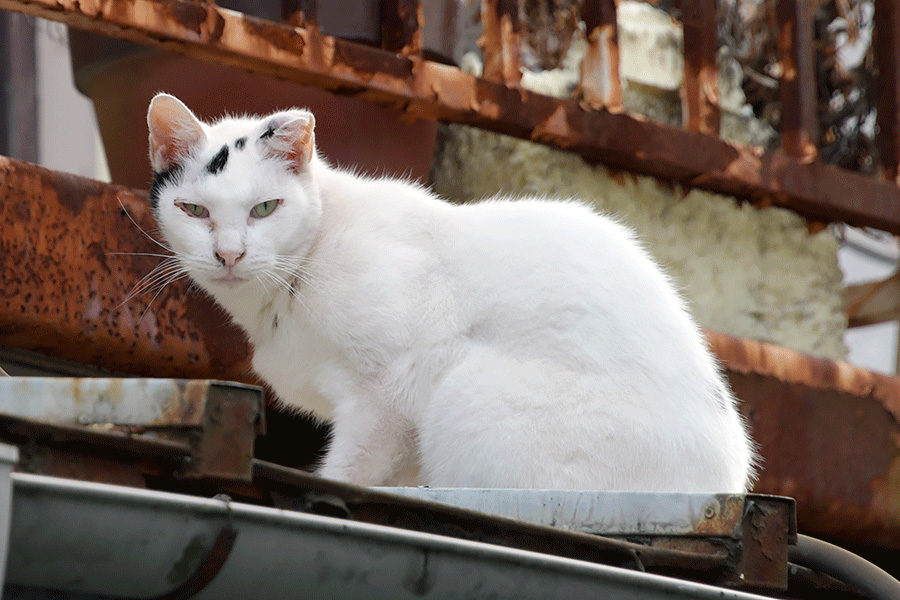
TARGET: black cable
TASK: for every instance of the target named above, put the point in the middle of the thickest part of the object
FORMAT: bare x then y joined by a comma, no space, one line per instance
844,566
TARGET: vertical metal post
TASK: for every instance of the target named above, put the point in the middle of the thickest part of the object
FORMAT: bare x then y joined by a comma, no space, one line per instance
402,23
700,84
799,98
887,53
300,13
9,456
500,41
600,84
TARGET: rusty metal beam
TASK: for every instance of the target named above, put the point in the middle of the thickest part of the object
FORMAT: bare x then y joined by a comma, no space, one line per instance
600,85
829,433
700,84
69,256
797,85
428,90
887,52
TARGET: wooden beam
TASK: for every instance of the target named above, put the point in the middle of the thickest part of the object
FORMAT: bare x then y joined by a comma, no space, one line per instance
428,90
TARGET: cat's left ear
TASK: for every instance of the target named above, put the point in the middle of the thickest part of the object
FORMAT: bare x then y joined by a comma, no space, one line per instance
290,136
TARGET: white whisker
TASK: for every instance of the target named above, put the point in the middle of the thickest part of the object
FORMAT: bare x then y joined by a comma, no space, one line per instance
139,254
149,237
159,291
160,276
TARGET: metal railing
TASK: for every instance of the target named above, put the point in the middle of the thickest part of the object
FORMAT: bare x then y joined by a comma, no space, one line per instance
592,125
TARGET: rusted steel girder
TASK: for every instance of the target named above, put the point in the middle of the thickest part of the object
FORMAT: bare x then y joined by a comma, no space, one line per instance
501,41
700,85
829,431
428,90
887,53
797,84
70,254
600,85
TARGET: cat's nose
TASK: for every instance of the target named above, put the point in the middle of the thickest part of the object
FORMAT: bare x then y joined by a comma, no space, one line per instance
229,258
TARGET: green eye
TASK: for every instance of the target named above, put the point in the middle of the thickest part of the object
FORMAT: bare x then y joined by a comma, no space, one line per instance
264,209
195,210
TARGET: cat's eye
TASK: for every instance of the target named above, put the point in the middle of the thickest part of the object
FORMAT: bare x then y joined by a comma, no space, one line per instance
264,209
195,210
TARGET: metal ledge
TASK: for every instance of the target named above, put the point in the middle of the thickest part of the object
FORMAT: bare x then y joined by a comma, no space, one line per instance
89,538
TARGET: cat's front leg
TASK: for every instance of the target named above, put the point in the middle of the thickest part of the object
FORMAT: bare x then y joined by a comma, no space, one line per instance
368,447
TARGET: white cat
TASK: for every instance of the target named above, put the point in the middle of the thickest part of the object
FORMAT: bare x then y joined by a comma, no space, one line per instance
520,343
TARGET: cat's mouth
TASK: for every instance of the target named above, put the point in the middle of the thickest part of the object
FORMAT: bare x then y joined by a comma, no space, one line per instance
229,280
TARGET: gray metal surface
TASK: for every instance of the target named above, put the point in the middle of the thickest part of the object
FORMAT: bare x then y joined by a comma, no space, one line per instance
606,513
8,457
139,402
99,539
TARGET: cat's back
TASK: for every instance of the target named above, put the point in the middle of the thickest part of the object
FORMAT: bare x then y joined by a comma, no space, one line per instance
548,260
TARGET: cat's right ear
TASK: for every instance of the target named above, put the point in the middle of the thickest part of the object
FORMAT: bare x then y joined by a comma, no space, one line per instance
174,132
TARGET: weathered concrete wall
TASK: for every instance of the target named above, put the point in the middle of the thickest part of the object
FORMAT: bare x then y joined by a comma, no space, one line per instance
748,272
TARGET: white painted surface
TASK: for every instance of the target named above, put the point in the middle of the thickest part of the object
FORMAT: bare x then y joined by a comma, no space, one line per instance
866,258
68,136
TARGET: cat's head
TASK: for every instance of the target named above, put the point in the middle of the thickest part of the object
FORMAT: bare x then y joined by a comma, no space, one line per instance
235,200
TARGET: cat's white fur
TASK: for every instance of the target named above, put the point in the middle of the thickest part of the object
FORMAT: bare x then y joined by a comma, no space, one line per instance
523,343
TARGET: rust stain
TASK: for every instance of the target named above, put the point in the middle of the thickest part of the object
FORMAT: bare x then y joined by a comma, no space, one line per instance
186,406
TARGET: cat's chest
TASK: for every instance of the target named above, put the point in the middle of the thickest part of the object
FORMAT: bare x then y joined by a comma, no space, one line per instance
287,352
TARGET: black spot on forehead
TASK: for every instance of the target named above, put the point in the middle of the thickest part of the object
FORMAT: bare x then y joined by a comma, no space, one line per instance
161,180
240,142
268,133
218,161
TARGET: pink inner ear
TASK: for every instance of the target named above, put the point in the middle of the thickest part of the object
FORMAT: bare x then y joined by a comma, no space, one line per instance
174,132
304,145
293,138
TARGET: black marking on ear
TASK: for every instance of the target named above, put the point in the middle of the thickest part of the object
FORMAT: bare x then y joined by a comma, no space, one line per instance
218,161
240,142
275,322
268,133
162,179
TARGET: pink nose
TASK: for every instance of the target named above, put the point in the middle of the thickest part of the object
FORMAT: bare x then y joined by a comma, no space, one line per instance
229,258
